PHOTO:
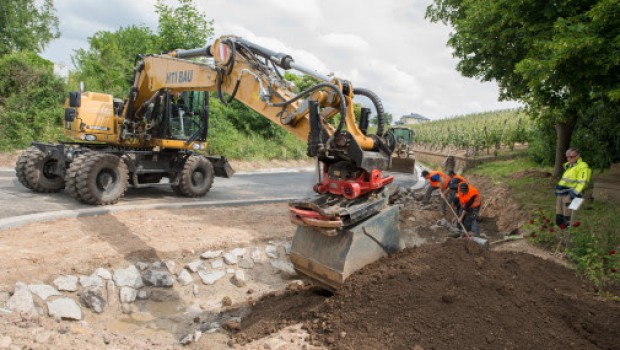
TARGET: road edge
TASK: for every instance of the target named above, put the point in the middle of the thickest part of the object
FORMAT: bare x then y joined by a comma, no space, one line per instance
22,220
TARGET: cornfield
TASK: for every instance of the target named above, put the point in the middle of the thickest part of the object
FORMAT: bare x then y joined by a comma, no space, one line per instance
476,134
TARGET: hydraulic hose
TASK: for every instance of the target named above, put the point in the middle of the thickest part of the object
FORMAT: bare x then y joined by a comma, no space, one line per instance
376,101
343,107
229,66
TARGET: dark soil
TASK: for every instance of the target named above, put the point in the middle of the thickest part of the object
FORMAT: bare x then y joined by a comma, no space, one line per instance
442,297
531,173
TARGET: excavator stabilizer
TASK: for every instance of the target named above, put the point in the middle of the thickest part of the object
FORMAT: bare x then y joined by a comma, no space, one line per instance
330,256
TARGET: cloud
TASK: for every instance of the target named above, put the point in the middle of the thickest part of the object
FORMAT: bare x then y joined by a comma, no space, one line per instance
387,46
344,41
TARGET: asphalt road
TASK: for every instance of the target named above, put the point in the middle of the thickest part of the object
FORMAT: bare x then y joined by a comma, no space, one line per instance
18,204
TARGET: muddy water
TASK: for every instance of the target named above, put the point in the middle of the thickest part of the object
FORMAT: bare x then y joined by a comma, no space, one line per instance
164,316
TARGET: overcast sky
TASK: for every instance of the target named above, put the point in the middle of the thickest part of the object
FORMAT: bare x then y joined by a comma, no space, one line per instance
386,46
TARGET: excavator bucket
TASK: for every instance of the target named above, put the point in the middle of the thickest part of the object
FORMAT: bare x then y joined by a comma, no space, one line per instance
330,256
403,165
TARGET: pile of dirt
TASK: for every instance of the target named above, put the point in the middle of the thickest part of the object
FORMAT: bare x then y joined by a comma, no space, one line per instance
442,297
498,206
532,173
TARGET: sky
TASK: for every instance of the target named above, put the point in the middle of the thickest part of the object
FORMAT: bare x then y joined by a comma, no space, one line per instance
386,46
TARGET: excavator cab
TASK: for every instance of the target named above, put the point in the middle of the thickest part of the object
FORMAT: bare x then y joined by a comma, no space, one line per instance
180,116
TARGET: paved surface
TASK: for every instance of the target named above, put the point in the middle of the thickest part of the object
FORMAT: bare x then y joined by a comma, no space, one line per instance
20,206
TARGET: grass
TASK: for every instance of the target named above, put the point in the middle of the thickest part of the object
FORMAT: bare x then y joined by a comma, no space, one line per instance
533,192
529,192
592,242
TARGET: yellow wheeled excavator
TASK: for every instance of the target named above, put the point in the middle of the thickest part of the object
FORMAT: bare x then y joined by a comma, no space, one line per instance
159,129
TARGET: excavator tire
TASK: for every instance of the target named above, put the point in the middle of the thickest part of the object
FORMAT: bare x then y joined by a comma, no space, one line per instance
102,180
20,166
196,177
33,170
72,175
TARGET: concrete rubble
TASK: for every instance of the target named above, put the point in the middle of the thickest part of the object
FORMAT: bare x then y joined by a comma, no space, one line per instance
69,296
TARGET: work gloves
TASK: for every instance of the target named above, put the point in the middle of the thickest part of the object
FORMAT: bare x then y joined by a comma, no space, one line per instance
574,194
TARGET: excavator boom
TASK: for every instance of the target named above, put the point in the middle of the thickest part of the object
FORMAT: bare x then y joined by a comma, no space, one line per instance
348,223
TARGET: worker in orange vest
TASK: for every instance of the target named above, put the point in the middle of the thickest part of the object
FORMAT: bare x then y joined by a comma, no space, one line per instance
469,207
438,181
453,187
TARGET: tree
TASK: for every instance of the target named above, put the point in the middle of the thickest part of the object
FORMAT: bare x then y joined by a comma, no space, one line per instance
30,100
302,82
560,58
107,66
183,27
26,26
387,119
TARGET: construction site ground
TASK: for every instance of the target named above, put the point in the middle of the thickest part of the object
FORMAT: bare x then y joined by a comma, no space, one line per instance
436,294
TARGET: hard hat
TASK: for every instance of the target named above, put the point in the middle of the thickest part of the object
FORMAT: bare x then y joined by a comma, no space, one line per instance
435,177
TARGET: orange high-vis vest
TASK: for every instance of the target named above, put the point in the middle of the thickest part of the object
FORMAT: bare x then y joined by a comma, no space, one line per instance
443,180
466,197
457,176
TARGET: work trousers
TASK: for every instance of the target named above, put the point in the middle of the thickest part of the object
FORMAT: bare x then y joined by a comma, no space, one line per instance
562,213
452,198
427,197
470,221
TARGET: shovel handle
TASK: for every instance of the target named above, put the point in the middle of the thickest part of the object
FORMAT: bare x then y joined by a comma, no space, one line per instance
467,235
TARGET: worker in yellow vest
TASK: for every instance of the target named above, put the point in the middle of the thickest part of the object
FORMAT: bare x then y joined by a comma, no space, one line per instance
572,184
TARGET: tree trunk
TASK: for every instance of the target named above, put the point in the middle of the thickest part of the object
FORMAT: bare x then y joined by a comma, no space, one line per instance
564,132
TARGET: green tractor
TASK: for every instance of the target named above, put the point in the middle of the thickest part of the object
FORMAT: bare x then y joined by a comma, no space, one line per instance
400,139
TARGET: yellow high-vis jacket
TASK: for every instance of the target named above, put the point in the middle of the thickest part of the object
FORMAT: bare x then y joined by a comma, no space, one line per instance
576,176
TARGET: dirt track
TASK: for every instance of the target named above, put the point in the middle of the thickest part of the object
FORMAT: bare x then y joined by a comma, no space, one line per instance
434,297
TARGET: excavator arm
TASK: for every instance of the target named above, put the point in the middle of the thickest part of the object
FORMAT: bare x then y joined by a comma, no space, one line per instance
348,224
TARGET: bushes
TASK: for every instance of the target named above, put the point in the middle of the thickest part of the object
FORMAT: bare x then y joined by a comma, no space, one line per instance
30,100
590,244
237,132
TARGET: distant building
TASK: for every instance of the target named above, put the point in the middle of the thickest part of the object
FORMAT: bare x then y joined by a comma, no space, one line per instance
413,118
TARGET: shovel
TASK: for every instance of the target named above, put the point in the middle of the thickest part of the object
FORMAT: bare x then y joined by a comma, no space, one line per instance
479,242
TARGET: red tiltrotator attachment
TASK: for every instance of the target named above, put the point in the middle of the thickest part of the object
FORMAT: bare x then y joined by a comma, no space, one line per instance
350,189
353,188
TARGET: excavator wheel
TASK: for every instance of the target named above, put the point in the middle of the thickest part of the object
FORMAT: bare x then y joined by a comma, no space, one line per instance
20,166
196,177
72,175
102,180
34,171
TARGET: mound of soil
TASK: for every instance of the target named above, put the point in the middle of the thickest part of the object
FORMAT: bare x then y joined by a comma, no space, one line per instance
535,174
498,205
442,297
